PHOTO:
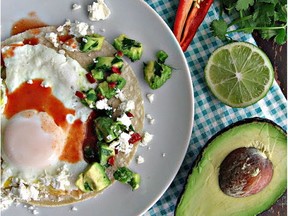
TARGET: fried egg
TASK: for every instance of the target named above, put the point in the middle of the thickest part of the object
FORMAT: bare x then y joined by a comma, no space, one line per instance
43,123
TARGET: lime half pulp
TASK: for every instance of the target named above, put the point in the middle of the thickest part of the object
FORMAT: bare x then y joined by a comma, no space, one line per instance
239,74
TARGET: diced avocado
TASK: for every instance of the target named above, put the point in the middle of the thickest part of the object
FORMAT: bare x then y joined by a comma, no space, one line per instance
108,91
105,152
118,79
203,194
103,63
93,42
81,184
104,89
161,56
117,62
94,178
131,48
156,74
123,174
107,129
97,74
90,98
135,181
126,176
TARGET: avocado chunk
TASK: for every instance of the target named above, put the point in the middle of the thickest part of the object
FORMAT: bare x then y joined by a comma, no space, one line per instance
94,178
127,176
104,64
109,87
90,97
156,73
107,129
130,48
105,152
93,42
248,145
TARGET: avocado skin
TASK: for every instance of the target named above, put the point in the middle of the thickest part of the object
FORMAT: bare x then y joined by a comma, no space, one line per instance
209,142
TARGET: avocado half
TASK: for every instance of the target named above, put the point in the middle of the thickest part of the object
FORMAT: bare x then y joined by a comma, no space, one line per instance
203,196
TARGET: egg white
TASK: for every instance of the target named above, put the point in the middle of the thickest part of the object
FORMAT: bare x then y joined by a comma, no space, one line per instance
64,75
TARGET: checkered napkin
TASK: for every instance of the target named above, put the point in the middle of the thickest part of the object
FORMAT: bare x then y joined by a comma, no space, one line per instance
210,114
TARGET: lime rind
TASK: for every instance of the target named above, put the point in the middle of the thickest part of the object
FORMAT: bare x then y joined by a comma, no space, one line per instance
239,74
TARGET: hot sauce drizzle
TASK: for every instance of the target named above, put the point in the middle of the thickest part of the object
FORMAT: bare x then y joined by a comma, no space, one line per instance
34,96
31,22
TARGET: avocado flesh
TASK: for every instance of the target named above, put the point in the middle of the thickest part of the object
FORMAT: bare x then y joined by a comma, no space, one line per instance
202,194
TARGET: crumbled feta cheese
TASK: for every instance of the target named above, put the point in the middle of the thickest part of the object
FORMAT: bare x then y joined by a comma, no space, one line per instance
6,201
92,28
120,95
30,81
150,118
103,104
60,28
78,29
61,51
150,97
44,84
98,11
84,40
76,7
139,159
35,212
74,208
122,144
67,22
125,120
53,38
147,137
127,105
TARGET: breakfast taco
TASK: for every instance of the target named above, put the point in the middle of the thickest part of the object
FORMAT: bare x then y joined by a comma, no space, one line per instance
72,115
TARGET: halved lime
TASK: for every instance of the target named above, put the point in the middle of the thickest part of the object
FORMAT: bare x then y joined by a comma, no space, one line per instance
239,74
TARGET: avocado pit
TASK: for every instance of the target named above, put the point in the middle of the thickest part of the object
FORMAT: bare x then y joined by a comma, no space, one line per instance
244,172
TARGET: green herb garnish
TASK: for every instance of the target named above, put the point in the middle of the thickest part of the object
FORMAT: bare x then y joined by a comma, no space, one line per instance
268,17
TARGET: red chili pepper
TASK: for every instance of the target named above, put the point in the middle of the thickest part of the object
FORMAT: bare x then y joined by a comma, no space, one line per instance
100,96
188,19
116,151
112,85
111,160
119,53
79,94
135,137
116,70
90,78
31,41
129,114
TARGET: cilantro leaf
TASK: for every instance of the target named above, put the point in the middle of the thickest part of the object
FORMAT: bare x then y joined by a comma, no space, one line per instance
243,4
281,37
219,28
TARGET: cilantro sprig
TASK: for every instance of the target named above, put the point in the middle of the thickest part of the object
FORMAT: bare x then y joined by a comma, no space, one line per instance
268,17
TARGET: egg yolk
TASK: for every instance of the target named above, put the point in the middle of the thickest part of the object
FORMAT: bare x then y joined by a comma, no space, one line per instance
32,140
26,139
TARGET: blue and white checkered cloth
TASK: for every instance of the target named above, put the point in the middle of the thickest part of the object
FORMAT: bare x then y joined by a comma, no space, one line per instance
210,114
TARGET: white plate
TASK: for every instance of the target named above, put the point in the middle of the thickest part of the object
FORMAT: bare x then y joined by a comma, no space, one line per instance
172,108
